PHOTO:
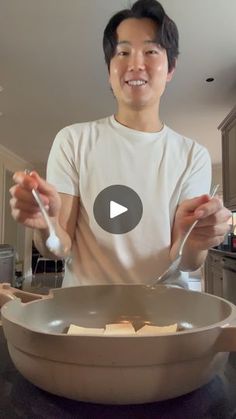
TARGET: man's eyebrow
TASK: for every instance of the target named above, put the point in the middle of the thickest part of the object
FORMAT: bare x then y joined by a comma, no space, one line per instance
123,42
151,41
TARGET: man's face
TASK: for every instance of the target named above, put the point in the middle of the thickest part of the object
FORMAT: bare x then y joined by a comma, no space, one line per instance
139,68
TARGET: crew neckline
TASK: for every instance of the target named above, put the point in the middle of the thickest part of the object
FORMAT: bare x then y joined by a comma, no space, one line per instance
134,132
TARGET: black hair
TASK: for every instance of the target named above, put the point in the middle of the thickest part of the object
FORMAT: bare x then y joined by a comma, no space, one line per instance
167,31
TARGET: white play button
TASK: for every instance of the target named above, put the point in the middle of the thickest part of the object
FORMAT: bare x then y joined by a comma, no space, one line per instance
116,209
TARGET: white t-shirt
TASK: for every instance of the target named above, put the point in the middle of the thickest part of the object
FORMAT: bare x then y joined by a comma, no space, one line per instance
163,168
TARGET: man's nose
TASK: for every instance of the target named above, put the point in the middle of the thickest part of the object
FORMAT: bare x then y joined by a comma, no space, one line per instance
136,62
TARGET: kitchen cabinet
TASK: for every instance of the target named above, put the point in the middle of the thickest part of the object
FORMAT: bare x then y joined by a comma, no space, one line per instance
213,274
220,274
228,129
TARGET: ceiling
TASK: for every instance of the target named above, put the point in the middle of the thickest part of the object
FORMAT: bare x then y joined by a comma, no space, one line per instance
53,72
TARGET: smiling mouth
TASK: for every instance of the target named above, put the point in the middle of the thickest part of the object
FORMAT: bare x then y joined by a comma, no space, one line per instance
136,82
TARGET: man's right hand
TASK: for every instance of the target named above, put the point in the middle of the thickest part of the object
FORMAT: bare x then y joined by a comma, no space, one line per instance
24,208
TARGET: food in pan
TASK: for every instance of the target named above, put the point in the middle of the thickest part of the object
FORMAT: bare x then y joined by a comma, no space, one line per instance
122,328
78,330
157,330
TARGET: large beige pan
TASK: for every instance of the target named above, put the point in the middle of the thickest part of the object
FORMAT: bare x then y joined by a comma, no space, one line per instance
118,369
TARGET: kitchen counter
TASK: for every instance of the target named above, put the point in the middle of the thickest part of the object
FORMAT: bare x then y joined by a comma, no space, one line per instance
224,253
21,399
220,274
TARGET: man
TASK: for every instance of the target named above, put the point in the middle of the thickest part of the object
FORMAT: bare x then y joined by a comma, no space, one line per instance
170,173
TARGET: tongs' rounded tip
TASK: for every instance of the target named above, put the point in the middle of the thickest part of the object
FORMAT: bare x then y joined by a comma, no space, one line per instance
53,243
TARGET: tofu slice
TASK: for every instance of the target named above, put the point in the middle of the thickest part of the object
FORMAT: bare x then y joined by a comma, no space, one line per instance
125,328
157,330
78,330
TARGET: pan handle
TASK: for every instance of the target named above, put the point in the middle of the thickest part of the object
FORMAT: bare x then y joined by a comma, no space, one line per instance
8,293
227,338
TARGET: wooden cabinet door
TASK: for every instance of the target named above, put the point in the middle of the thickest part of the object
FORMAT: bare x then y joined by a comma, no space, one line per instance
228,128
217,283
229,165
213,274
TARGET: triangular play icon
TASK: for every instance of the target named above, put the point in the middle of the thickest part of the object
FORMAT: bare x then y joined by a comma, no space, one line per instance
116,209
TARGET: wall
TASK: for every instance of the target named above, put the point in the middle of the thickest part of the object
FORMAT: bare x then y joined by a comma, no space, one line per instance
9,163
217,177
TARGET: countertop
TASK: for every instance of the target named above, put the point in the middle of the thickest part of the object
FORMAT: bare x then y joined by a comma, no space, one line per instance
224,253
21,399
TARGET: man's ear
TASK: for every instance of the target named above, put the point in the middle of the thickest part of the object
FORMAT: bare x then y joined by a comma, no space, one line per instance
171,73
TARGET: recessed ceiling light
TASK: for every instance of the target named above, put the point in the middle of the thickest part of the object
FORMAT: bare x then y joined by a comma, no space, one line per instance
210,79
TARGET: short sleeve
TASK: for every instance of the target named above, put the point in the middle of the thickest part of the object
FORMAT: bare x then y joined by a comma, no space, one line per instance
63,164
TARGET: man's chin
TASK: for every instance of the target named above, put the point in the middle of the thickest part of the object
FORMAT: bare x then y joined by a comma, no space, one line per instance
138,105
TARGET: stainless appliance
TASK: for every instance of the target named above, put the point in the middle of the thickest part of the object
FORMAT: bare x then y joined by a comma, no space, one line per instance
229,279
7,263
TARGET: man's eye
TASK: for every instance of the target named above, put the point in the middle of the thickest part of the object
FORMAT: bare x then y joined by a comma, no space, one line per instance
152,51
122,53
